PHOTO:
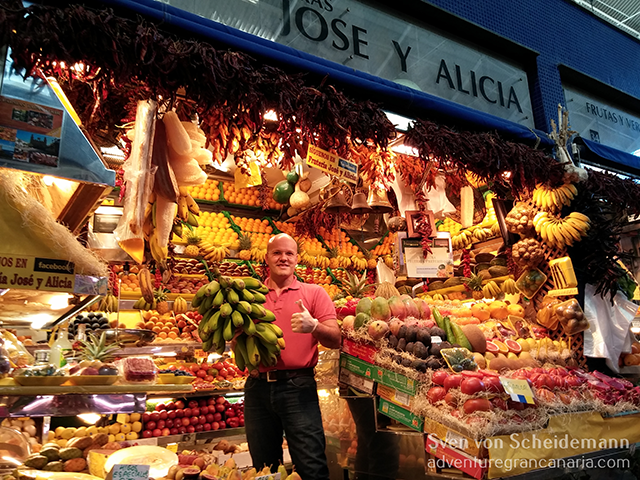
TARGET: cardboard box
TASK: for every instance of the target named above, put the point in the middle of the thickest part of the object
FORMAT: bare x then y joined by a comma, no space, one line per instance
361,384
395,396
378,374
400,414
454,438
472,466
358,350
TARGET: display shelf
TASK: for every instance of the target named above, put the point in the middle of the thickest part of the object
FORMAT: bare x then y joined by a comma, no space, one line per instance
192,438
197,393
152,349
19,390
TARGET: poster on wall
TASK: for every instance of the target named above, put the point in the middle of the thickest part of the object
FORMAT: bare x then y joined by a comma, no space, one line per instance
437,264
29,132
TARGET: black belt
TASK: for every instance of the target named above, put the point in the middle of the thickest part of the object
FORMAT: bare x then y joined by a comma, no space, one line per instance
275,375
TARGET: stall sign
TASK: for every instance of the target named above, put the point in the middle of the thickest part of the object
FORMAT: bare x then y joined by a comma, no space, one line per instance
597,120
437,264
377,41
130,472
519,390
36,273
29,132
332,164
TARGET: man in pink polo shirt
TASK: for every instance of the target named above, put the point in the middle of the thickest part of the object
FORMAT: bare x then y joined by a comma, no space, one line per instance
284,398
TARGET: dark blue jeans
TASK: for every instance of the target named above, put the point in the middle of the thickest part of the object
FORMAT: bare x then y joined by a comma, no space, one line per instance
291,406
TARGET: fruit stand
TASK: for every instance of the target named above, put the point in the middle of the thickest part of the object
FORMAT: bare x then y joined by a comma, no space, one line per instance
464,327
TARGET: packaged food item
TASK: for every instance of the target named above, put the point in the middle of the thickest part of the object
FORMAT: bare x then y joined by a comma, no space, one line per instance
138,370
18,354
459,359
571,317
530,282
546,315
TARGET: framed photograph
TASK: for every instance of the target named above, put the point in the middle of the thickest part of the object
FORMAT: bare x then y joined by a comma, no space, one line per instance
412,219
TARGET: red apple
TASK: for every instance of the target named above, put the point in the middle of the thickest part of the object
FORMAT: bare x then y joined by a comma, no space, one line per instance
220,399
157,432
161,424
222,424
147,434
145,417
199,428
182,430
171,415
179,404
204,410
169,423
207,427
217,417
164,415
212,401
195,412
220,407
175,431
171,406
160,406
209,417
155,416
186,421
202,402
187,412
215,425
194,421
179,413
202,419
191,429
166,432
151,425
193,403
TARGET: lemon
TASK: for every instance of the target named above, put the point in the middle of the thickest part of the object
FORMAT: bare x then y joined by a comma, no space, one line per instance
120,437
132,436
114,429
103,430
136,427
524,344
532,343
135,417
125,428
68,433
81,432
51,435
62,442
112,438
92,430
59,431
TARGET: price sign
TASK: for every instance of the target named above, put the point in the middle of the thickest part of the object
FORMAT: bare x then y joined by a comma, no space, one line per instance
130,472
332,164
200,354
518,389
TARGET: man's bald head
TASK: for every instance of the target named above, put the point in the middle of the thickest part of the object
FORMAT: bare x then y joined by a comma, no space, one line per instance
281,239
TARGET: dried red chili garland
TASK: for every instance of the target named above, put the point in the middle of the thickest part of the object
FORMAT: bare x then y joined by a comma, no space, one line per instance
423,224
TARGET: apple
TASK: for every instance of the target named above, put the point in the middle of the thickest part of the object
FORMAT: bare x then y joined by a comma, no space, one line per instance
212,401
186,421
182,430
179,413
155,416
175,431
215,425
220,407
179,404
229,412
202,402
160,406
210,418
194,421
166,432
169,423
222,424
220,399
171,406
145,417
195,411
241,421
161,424
187,412
193,403
191,429
171,415
206,427
204,410
199,428
151,425
147,434
157,432
164,415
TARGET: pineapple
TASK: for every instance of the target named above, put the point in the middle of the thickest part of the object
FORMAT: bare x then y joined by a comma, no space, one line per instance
192,250
475,284
356,287
372,262
244,245
162,306
333,257
95,349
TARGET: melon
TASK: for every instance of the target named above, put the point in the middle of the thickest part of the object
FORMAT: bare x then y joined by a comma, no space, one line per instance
396,305
476,338
380,309
364,306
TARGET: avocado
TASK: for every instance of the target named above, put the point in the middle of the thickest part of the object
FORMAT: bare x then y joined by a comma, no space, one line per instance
393,341
409,347
69,453
36,461
54,467
420,351
411,334
51,453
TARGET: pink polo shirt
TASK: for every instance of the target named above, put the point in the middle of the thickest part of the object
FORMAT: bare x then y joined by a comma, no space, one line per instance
301,348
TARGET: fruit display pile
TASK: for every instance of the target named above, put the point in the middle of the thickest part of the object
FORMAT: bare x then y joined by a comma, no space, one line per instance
72,457
193,415
170,328
222,374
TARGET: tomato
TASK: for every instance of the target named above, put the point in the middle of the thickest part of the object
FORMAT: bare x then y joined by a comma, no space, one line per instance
543,380
436,394
489,373
451,399
439,376
452,381
476,405
545,395
499,403
471,373
471,386
493,384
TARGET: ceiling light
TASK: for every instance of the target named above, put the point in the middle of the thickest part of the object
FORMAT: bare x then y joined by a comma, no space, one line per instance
270,115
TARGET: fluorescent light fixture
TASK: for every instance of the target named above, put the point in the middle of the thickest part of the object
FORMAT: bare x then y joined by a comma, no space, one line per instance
89,418
39,320
107,210
113,151
401,123
59,302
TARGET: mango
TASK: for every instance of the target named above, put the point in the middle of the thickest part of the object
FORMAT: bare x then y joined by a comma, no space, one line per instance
364,306
380,309
361,320
397,308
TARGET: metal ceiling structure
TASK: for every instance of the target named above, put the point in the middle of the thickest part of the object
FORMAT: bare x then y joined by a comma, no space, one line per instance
623,14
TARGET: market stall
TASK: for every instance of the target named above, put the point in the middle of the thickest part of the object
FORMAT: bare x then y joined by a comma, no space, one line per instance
473,276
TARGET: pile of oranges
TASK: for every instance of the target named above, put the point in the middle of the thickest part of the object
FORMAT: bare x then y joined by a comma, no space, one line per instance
258,230
340,240
385,247
246,196
129,282
216,229
210,190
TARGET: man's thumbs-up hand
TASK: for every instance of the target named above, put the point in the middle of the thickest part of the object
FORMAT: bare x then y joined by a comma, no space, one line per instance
302,321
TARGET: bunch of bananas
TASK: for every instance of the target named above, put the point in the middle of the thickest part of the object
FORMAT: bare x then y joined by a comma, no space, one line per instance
142,304
212,252
359,263
491,289
180,305
561,232
188,209
481,234
554,198
258,254
309,260
462,240
509,286
232,309
109,303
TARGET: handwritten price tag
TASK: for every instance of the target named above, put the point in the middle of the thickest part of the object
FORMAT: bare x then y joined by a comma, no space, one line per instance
518,389
130,472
